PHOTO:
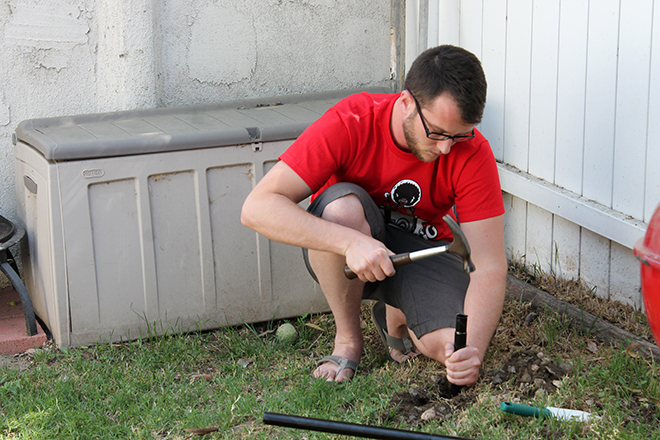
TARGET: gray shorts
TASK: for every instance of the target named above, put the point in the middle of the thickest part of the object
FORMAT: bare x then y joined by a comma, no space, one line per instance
430,292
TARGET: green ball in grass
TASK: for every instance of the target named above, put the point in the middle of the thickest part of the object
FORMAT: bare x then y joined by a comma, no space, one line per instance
286,333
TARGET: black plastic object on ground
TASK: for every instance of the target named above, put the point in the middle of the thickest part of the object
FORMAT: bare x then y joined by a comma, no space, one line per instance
353,429
10,235
460,339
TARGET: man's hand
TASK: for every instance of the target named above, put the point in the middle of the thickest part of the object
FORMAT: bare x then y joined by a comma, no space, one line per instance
369,259
462,365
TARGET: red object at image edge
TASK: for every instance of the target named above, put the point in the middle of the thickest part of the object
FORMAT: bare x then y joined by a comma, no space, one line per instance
647,251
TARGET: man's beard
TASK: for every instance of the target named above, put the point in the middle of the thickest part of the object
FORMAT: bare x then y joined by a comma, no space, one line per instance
413,145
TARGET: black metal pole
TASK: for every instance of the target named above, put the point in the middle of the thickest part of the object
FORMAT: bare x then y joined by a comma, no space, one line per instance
460,339
353,429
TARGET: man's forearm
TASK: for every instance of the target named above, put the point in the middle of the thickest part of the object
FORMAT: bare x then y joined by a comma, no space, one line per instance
485,295
483,305
279,219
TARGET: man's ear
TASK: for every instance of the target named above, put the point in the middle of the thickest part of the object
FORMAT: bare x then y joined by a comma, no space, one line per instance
407,103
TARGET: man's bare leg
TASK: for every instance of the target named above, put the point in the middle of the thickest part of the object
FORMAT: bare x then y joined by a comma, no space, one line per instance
398,328
344,296
434,344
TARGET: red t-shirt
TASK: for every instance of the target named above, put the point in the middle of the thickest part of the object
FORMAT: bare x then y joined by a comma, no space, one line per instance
352,142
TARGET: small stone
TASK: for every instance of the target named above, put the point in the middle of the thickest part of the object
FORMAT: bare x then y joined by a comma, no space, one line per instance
512,369
206,376
557,383
534,368
245,362
531,317
539,383
427,415
526,377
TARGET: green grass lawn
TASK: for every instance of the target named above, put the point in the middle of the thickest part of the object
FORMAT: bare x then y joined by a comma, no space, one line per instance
165,386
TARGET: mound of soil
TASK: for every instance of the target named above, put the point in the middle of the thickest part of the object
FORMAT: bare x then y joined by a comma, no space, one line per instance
529,372
532,372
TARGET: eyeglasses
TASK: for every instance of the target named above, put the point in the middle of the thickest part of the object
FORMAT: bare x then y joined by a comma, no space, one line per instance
440,136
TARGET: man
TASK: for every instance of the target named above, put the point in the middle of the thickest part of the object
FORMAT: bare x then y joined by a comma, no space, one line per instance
383,170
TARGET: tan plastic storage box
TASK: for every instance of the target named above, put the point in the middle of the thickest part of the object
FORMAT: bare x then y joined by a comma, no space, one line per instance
133,219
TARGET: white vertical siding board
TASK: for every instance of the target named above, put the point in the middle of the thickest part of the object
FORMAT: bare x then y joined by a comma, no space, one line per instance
566,248
493,59
508,201
515,227
412,26
423,29
571,88
652,191
595,262
543,89
632,104
600,100
470,26
624,276
434,23
448,22
539,238
566,82
517,88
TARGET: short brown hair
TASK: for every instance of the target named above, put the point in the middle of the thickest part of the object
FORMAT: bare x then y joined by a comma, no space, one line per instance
449,69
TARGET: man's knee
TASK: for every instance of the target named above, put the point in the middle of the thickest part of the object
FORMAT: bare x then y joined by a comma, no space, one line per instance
347,211
433,344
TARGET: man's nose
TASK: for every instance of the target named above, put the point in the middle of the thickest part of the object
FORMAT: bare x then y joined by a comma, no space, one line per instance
444,146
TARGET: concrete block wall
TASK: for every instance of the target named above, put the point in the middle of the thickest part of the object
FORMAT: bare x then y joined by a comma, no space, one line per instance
65,57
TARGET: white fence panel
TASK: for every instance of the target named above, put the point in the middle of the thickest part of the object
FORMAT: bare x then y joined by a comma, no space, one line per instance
571,90
573,114
517,89
471,12
653,136
493,58
543,89
599,103
632,106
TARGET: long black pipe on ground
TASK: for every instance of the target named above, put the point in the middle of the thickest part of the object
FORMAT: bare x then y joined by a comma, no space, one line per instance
353,429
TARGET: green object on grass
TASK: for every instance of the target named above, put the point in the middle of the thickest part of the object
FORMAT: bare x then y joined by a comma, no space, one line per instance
533,411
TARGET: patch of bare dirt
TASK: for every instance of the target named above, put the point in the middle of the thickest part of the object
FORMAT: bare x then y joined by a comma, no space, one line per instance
525,359
15,362
525,373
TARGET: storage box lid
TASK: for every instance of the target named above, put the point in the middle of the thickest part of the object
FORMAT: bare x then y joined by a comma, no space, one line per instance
176,128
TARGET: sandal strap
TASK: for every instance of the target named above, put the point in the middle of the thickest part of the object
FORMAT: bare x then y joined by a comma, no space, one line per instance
341,362
404,345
